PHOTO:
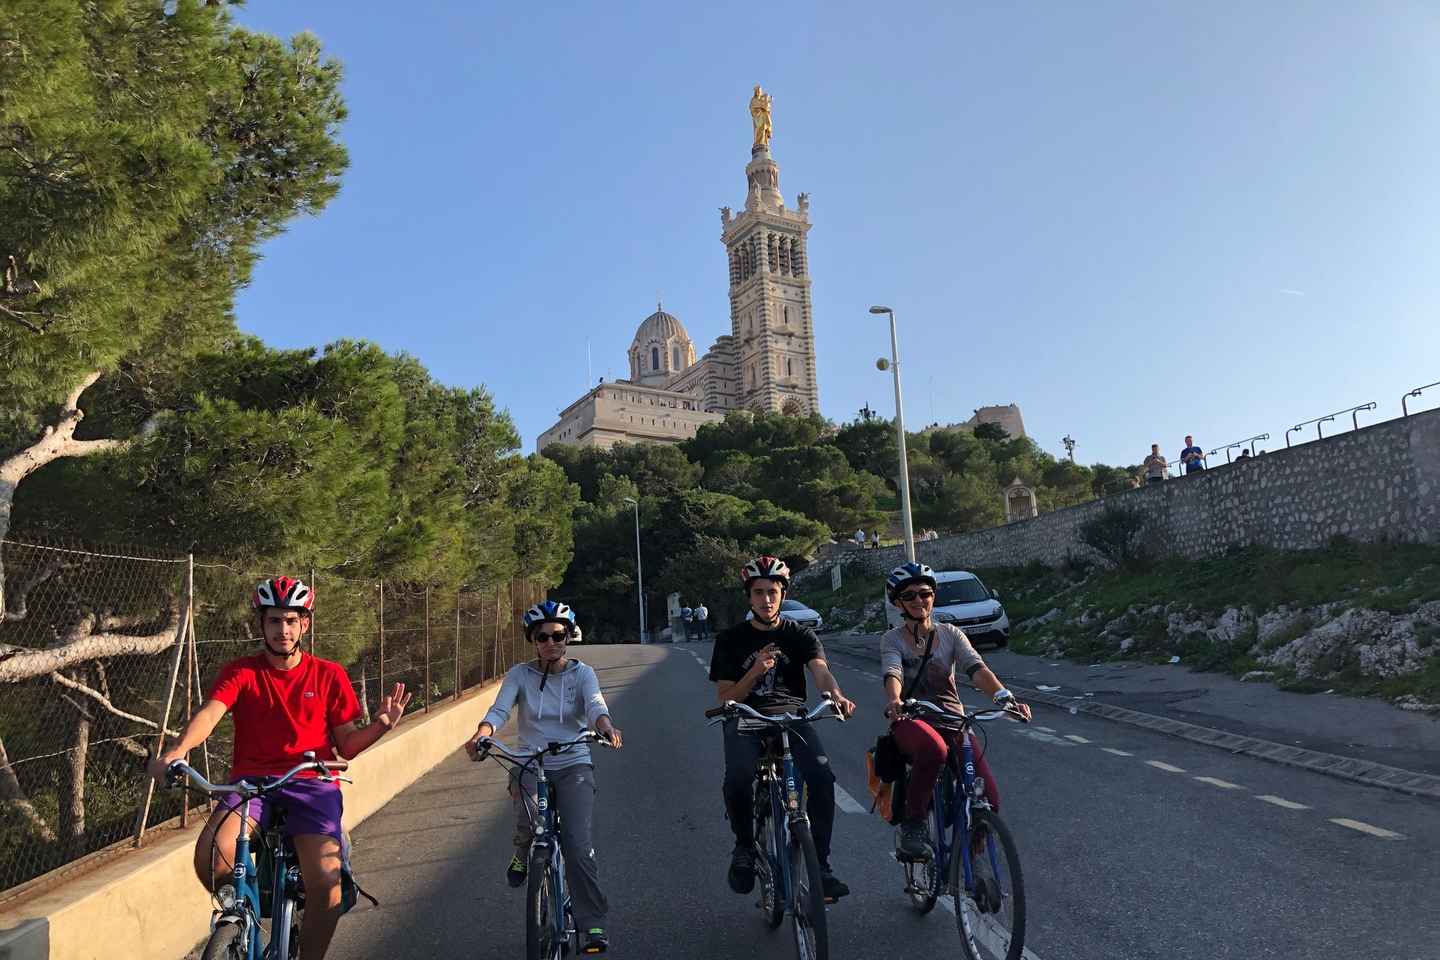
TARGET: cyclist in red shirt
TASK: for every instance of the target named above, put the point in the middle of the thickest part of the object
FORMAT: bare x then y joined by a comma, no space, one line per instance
285,703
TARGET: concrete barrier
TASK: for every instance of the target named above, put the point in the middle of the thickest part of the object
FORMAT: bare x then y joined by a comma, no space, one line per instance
147,903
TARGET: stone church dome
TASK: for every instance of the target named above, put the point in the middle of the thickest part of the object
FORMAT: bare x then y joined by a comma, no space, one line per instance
661,350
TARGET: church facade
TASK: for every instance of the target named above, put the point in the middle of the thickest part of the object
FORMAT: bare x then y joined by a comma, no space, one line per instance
765,362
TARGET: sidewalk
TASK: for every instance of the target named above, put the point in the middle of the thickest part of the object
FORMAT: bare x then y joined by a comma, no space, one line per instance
1370,731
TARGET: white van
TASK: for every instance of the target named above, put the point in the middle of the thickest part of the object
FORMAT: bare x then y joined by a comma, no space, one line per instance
962,599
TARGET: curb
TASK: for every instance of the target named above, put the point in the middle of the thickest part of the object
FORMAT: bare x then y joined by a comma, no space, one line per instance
1369,773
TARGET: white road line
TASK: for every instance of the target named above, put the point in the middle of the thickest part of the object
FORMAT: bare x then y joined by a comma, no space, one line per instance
1367,828
989,936
1072,737
1043,737
845,802
1118,753
1282,802
1222,784
1162,765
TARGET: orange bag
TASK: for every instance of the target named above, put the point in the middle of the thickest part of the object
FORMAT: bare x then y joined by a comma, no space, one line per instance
881,793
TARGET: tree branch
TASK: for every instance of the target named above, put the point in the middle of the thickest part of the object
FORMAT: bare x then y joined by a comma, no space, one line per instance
19,602
104,701
12,795
24,663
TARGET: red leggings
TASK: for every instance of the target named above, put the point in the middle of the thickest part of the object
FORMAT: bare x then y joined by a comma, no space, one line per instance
927,749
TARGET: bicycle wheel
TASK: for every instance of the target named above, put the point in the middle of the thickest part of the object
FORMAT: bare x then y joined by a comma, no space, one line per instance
807,916
767,864
990,916
540,940
225,943
923,880
284,932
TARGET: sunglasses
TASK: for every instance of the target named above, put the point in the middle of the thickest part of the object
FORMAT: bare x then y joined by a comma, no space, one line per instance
551,637
916,595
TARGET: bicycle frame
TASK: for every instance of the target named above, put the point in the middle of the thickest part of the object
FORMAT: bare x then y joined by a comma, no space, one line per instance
950,813
785,810
547,838
247,908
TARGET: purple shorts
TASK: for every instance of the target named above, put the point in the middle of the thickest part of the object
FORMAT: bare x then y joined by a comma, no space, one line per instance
311,807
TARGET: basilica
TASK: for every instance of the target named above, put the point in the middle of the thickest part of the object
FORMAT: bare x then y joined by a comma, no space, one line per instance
765,362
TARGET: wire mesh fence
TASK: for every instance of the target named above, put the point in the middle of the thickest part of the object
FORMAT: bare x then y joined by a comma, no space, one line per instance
101,648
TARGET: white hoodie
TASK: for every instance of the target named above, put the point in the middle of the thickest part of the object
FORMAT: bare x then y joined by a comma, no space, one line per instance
569,705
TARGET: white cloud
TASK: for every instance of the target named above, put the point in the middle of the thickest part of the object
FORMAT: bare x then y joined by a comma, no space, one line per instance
1291,292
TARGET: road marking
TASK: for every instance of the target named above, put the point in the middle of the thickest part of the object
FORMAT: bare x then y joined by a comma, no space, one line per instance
990,938
845,802
1282,802
1222,784
1162,765
1043,737
1046,729
1118,753
1071,736
1366,828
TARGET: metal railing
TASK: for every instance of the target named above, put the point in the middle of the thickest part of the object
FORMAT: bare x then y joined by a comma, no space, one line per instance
110,652
1405,399
1321,421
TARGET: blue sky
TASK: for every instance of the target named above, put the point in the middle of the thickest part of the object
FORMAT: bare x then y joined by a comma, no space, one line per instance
1136,220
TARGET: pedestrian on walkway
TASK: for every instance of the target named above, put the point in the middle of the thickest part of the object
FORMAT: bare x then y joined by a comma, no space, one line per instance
874,539
702,621
687,617
1156,466
860,538
1192,456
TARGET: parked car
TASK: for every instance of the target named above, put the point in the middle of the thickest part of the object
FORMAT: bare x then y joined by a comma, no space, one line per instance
797,611
962,599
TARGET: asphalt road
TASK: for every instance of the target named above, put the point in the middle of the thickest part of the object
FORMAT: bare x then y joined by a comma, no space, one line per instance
1127,851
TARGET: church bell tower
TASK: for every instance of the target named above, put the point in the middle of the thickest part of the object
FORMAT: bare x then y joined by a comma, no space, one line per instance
770,310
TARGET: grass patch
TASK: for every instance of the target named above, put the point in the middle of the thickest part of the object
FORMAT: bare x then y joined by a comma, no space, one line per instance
857,588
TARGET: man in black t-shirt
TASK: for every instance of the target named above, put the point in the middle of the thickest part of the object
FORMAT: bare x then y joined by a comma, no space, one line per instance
762,663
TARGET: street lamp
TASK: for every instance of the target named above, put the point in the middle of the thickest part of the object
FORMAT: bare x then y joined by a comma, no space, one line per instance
894,364
639,574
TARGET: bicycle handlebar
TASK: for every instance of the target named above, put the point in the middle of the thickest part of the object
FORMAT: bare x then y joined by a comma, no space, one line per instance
180,769
826,708
922,708
487,744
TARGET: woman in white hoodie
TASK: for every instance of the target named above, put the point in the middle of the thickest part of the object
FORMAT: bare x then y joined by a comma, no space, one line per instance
558,699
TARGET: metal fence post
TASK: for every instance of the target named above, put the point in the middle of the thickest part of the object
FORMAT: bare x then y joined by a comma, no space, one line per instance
427,649
313,580
180,635
382,639
459,596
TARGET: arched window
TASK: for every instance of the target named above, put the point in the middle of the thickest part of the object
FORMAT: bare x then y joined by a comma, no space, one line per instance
654,358
789,369
675,353
785,311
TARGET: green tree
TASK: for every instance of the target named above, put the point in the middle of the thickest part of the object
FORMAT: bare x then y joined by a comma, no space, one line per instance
146,151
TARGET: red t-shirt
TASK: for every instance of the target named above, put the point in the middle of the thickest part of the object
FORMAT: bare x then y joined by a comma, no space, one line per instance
281,714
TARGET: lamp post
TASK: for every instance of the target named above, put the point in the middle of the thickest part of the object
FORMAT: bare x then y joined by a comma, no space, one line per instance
639,573
894,365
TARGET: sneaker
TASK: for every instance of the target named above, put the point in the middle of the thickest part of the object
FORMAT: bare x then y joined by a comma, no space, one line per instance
834,887
914,841
518,870
742,869
595,941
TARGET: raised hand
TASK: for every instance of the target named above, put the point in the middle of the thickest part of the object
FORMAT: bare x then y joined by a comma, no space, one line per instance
393,706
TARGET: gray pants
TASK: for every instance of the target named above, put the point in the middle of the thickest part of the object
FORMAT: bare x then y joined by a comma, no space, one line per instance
572,790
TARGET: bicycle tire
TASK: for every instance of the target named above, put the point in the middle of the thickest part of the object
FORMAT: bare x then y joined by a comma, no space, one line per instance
807,916
767,870
983,934
225,943
285,918
539,924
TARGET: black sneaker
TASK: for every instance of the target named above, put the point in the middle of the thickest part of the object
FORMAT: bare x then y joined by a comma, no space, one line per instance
518,870
742,869
595,941
914,841
834,887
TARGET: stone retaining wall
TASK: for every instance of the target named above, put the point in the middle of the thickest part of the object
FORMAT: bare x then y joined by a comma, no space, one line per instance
1378,482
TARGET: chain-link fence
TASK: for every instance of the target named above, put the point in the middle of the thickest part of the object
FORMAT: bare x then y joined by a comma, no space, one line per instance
98,645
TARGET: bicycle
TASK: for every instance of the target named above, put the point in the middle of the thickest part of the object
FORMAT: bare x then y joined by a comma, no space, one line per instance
235,928
789,884
989,895
550,931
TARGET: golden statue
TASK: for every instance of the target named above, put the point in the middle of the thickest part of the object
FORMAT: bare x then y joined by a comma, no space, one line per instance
760,116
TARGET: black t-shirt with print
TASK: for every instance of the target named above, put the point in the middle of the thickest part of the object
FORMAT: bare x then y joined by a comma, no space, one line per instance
783,688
